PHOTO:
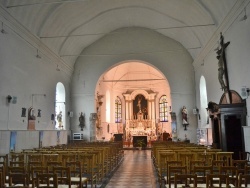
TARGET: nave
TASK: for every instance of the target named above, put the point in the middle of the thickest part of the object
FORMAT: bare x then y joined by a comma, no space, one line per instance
136,171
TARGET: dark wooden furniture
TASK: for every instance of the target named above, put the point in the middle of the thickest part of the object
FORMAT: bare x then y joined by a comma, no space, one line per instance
136,138
118,137
227,128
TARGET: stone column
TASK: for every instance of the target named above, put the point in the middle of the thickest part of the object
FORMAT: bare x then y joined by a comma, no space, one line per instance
127,113
149,110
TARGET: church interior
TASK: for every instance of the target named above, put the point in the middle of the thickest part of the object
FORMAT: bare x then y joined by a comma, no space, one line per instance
124,86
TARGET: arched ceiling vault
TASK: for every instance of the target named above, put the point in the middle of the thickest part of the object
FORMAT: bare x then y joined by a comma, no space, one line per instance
134,75
67,27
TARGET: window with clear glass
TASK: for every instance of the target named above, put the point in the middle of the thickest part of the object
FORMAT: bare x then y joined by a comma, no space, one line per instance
163,109
59,116
118,110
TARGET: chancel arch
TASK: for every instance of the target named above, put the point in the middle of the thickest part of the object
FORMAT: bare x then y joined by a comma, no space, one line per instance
169,74
138,86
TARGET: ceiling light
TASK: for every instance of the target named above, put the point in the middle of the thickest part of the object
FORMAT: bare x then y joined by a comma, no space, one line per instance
245,15
2,30
37,55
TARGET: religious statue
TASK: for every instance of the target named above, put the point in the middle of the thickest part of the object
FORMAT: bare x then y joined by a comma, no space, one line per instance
23,112
139,102
32,114
82,121
145,113
39,113
59,119
184,113
184,116
222,64
213,108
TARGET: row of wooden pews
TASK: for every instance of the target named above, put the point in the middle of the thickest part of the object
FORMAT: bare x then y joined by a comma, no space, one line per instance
75,165
171,158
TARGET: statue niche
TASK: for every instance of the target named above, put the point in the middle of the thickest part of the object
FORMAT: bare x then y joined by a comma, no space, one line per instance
140,107
140,121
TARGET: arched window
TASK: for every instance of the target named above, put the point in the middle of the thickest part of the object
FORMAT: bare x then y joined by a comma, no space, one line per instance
163,109
118,110
203,102
60,107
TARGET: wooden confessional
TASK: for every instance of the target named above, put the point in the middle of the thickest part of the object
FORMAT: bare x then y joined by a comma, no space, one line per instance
227,125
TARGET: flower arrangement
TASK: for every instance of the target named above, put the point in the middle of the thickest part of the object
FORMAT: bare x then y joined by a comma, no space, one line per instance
140,143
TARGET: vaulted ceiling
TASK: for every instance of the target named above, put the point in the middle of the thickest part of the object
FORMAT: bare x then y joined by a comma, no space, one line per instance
67,27
134,75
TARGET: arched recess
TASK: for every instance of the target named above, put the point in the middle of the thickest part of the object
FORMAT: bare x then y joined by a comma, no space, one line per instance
60,107
126,80
204,118
174,69
137,92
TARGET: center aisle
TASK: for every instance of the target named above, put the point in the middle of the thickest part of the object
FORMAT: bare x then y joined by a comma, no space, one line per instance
135,171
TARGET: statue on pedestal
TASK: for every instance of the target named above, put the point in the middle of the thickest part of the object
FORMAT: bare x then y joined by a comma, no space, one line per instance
32,114
82,121
59,119
184,117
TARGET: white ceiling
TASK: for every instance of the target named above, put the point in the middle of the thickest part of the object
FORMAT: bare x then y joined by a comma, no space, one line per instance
67,27
134,75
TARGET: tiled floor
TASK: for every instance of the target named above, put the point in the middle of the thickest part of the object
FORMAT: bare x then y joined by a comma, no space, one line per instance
136,171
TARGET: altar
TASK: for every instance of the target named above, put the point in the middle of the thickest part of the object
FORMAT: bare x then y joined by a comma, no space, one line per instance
136,138
140,116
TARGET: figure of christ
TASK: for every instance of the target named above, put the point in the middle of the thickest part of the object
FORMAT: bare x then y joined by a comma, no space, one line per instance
222,64
139,102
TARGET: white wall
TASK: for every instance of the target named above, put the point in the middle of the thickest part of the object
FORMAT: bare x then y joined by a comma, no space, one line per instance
238,65
30,139
23,75
246,131
237,56
168,56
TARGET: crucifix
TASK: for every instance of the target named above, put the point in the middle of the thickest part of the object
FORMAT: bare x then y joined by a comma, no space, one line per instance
222,68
